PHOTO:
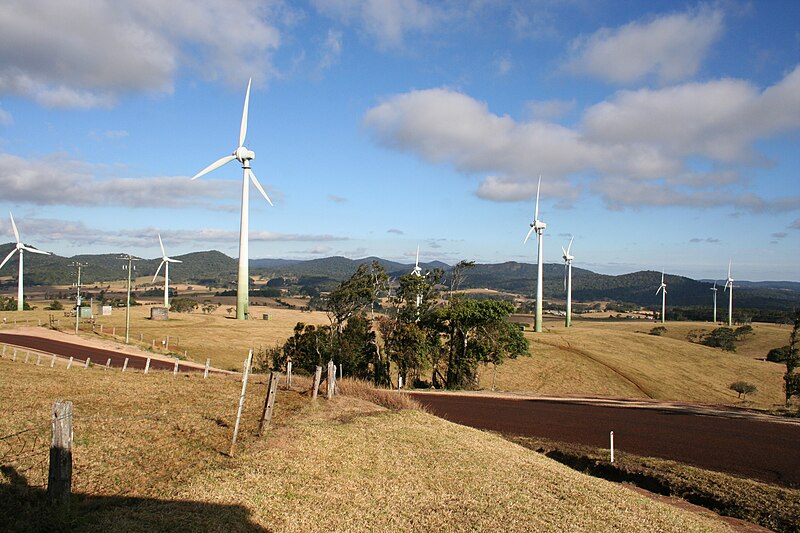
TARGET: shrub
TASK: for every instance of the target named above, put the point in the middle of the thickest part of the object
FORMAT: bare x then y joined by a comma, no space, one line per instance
778,355
55,305
742,331
743,388
183,305
658,331
721,338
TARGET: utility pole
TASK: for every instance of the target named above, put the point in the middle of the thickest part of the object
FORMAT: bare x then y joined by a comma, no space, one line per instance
129,267
78,266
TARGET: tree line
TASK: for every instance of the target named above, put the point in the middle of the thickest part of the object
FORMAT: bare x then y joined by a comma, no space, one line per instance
432,336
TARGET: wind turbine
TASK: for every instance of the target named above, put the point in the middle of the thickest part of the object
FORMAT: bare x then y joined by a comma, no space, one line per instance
714,288
417,272
663,290
538,226
568,280
244,156
729,285
21,248
165,261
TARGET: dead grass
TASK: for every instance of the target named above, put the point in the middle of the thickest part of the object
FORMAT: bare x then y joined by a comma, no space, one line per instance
771,506
150,454
621,359
390,399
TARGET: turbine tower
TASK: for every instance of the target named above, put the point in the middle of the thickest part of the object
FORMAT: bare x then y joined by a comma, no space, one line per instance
417,272
663,290
538,226
244,156
21,248
165,261
714,288
568,280
729,285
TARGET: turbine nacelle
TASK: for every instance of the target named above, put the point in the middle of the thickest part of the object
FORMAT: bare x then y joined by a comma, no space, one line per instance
244,155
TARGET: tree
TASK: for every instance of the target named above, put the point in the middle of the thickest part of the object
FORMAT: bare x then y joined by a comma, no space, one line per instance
309,347
182,305
742,331
778,355
457,276
791,380
721,338
408,346
743,388
56,305
353,295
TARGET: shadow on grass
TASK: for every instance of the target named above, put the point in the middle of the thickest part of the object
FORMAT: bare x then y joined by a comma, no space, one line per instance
26,508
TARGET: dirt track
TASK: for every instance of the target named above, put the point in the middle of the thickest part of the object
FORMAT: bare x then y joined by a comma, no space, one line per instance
98,355
743,446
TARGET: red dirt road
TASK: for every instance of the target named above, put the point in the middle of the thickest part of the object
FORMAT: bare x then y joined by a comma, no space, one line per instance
743,446
98,356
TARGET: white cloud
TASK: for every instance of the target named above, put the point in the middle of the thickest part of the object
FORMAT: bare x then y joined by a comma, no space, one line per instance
87,54
670,47
57,180
395,231
614,145
503,65
108,135
331,51
549,109
385,21
5,118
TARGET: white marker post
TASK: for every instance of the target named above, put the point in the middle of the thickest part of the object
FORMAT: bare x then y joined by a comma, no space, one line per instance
108,363
147,366
125,365
69,365
208,365
612,446
53,361
86,364
399,382
175,372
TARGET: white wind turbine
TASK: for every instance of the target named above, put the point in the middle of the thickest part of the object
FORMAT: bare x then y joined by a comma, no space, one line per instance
165,261
568,280
538,226
663,290
21,248
729,285
244,156
417,272
714,288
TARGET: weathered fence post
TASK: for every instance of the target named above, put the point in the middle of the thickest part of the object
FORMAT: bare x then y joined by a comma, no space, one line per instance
108,363
125,365
14,357
4,351
288,374
141,337
147,366
269,403
175,371
246,375
27,356
114,331
101,329
166,344
208,365
341,370
86,364
317,378
612,446
399,382
59,480
53,361
154,344
38,359
69,365
331,378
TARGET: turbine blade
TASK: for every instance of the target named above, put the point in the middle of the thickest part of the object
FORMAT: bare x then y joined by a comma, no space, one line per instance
528,236
258,186
215,165
34,250
7,257
416,264
171,260
729,269
163,253
565,253
570,243
158,270
536,211
565,276
243,129
16,233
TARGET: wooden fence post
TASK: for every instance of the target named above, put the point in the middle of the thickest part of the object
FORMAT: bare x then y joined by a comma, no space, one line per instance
69,365
247,364
53,361
125,365
317,377
14,357
141,337
108,363
147,366
27,356
175,371
114,331
288,374
101,329
269,403
4,351
208,365
59,479
86,364
331,378
38,359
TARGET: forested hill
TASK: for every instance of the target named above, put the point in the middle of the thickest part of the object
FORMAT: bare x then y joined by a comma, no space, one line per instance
213,268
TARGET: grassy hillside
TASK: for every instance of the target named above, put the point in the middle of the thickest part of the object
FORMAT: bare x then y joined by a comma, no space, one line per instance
150,454
621,359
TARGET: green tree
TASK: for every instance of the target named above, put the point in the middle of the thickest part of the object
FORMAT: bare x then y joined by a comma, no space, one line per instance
791,380
310,346
721,338
56,305
458,274
180,305
742,388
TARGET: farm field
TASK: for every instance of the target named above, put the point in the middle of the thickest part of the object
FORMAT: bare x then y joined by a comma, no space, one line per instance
151,454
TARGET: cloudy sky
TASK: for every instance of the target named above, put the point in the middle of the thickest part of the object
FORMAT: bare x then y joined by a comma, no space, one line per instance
667,134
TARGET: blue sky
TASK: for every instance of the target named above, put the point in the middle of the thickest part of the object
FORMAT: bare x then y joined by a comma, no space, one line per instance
666,133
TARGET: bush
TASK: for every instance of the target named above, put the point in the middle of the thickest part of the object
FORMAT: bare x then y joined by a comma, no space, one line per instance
721,338
183,305
743,388
778,355
743,331
658,331
55,305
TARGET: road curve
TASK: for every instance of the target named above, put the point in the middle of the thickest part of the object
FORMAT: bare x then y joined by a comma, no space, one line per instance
98,355
743,446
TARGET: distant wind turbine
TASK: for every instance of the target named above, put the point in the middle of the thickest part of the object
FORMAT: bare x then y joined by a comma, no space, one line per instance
244,156
538,226
729,285
165,261
568,280
663,290
714,288
417,272
21,248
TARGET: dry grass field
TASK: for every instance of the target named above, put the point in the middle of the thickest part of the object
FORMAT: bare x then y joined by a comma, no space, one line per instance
621,359
151,454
